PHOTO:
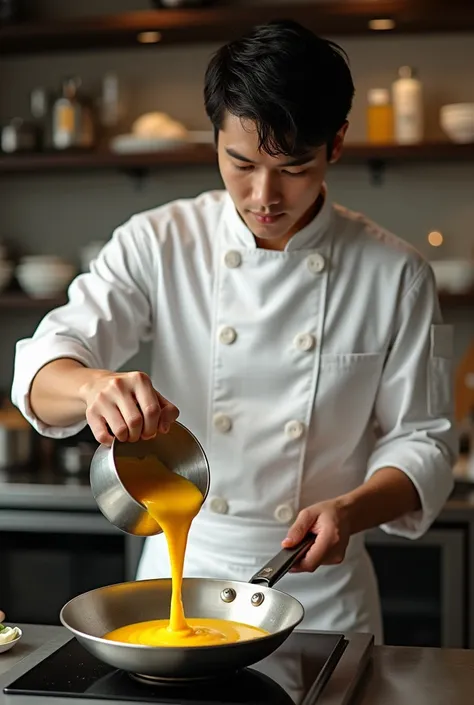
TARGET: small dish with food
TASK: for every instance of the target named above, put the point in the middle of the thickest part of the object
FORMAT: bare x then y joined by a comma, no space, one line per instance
9,636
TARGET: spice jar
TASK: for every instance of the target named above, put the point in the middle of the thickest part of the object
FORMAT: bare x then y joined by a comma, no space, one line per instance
379,116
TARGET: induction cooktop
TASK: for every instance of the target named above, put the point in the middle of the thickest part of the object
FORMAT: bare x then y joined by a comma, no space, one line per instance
295,674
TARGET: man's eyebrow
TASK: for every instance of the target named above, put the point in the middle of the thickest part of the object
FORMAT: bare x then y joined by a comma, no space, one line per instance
236,155
297,161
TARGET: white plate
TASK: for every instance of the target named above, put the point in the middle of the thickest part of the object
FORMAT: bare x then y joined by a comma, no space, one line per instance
132,144
11,644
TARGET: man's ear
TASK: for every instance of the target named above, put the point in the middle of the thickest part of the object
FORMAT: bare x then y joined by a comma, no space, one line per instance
338,143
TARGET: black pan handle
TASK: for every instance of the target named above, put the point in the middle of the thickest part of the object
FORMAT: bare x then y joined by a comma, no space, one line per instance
279,566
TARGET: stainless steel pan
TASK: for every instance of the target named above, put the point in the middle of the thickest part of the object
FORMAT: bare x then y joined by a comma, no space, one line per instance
92,614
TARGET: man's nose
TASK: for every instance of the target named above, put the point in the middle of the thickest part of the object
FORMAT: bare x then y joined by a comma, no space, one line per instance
266,190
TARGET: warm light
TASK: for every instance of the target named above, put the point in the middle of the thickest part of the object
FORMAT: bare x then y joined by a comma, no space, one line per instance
435,239
382,25
149,37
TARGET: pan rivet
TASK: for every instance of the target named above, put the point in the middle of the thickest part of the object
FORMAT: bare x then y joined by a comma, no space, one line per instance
265,572
257,599
228,595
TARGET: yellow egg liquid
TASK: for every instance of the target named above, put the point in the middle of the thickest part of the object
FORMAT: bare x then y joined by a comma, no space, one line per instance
202,632
172,501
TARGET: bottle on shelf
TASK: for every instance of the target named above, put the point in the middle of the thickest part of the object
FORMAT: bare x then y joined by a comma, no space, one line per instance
110,105
407,91
41,102
73,119
379,116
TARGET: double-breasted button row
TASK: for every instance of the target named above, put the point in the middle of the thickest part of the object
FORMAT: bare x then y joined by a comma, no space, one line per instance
284,513
315,262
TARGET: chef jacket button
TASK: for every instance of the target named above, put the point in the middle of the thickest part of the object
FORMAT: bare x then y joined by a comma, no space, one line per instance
218,505
284,514
294,429
227,335
316,263
304,342
232,259
222,423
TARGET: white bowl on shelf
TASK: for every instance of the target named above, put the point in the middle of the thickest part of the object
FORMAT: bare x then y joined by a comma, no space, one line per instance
43,262
136,144
457,121
455,276
45,278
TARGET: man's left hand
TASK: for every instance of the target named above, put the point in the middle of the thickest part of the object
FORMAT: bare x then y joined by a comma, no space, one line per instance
330,523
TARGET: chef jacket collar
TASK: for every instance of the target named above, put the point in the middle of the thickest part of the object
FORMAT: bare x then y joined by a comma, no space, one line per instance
308,238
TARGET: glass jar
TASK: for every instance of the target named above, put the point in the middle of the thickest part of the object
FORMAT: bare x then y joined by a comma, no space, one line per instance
379,117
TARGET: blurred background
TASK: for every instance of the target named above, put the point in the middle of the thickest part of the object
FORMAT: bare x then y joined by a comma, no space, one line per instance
101,116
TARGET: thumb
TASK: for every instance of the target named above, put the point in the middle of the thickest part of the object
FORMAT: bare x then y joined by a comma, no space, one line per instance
169,413
302,526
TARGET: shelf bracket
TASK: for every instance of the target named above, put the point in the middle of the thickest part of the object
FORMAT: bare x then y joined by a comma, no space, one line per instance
139,175
377,171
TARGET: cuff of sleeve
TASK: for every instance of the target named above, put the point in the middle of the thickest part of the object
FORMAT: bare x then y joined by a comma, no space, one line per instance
29,361
432,477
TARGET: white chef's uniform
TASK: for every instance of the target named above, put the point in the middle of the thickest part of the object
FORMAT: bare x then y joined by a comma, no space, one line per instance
301,372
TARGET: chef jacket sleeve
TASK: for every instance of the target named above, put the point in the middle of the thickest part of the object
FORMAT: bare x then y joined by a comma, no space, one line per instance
414,405
107,314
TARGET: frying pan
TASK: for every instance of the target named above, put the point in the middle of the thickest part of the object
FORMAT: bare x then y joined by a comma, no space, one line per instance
91,615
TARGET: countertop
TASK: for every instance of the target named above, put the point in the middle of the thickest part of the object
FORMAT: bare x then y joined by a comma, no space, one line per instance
45,488
49,488
402,675
396,675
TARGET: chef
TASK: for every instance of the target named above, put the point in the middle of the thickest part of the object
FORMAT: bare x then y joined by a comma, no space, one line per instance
301,343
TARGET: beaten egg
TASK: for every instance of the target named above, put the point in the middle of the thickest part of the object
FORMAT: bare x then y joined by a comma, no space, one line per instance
173,502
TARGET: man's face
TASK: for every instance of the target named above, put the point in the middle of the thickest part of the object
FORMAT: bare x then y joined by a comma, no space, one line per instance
272,194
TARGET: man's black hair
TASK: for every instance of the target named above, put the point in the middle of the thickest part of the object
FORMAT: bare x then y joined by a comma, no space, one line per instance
295,86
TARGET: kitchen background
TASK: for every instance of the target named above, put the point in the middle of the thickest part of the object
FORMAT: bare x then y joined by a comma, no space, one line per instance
60,212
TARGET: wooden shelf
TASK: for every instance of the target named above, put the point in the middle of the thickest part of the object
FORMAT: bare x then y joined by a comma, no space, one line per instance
222,23
204,155
427,152
198,155
448,300
19,300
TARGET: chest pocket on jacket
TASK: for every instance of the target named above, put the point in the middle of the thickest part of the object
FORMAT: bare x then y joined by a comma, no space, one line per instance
346,393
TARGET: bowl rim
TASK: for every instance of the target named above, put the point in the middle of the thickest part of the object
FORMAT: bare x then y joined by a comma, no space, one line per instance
15,640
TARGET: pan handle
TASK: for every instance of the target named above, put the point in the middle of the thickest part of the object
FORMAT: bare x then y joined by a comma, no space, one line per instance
278,566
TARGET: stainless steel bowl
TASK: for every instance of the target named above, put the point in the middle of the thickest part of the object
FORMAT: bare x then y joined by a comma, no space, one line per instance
178,450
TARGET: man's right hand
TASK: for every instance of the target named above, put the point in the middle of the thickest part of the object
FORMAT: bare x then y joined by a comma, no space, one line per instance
125,405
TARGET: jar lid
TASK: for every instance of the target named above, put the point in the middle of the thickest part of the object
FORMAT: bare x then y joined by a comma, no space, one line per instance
407,72
379,96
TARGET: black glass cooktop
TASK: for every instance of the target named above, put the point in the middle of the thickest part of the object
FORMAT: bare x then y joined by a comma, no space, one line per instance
295,674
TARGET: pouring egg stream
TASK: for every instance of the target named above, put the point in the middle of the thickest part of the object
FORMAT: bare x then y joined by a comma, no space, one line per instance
173,502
